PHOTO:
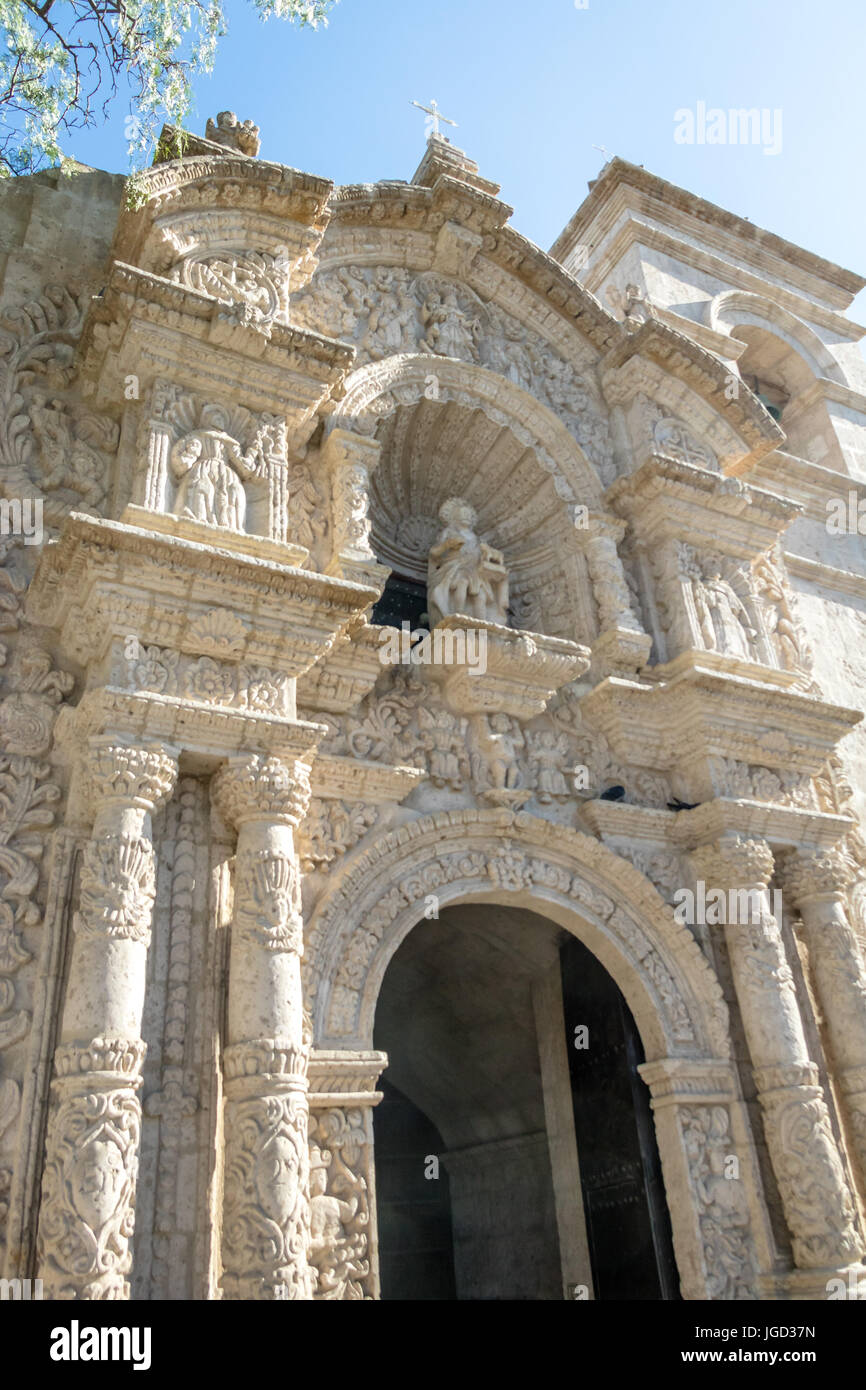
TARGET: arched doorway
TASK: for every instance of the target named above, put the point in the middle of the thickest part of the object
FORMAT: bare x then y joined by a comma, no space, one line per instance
495,858
508,1042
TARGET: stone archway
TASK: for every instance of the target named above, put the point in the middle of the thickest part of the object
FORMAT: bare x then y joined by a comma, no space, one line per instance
496,856
375,390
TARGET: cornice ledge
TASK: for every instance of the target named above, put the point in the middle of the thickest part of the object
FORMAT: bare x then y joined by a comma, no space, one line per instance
515,253
705,374
128,286
661,476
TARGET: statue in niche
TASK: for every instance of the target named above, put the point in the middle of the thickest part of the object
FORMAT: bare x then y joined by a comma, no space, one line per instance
209,466
723,618
464,574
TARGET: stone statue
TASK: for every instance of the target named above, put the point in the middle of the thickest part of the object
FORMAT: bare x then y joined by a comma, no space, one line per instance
242,136
724,621
464,574
209,465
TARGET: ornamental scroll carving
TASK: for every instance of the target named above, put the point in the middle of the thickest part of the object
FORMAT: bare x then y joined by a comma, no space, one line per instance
723,1209
32,691
554,757
51,447
266,1213
88,1186
206,679
331,828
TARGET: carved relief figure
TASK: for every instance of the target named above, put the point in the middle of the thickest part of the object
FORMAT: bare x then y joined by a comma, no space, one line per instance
450,332
548,752
465,575
335,1255
724,621
209,466
443,735
501,740
393,314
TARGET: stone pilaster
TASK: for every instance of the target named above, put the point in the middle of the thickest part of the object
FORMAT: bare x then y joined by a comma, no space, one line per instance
266,1210
818,1206
622,645
88,1190
350,460
818,886
720,1230
344,1247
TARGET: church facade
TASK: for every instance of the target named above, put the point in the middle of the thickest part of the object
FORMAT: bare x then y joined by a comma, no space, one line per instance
431,763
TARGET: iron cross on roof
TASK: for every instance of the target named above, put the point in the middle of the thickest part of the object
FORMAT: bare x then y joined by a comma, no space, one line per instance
433,110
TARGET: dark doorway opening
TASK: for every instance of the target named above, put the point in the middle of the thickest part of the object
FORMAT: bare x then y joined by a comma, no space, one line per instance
416,1249
627,1223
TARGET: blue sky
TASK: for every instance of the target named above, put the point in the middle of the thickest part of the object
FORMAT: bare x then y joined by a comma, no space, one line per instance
535,84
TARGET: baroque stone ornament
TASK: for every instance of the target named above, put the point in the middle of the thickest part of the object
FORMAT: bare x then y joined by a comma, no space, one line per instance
339,1205
88,1191
818,885
266,1188
723,1205
266,1210
408,589
819,1208
88,1194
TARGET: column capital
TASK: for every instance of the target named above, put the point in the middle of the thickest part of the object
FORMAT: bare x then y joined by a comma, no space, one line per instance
734,862
259,788
123,773
823,873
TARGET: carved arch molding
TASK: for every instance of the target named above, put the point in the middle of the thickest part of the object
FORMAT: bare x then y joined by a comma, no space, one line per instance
513,858
521,860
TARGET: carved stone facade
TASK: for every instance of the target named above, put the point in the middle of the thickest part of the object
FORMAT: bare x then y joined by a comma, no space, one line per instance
617,689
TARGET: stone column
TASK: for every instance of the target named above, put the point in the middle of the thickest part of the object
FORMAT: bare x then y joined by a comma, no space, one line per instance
91,1165
818,885
622,645
266,1212
817,1203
